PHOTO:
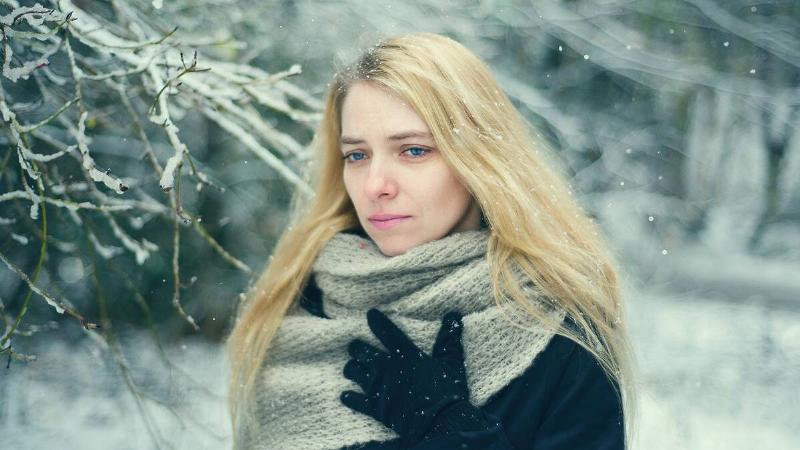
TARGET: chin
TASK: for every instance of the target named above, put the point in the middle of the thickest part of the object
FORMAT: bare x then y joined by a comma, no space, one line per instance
392,250
393,246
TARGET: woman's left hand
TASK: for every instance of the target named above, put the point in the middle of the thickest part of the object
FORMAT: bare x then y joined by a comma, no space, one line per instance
406,389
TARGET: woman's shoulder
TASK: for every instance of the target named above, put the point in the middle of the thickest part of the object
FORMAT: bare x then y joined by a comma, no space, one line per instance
562,366
585,408
559,352
562,400
565,361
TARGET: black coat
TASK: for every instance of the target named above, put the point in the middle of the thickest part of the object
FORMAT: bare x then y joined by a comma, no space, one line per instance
563,401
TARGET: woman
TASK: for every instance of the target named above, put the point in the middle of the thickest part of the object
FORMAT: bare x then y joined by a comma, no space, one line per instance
441,289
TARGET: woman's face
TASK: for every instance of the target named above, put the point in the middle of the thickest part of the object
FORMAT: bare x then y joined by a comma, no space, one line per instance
392,167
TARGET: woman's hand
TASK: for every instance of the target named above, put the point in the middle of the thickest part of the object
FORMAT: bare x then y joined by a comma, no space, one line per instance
406,389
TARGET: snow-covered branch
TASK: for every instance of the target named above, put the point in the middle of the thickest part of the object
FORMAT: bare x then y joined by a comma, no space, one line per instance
115,89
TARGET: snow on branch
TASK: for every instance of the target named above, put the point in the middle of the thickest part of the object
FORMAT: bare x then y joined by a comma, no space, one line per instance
88,162
89,145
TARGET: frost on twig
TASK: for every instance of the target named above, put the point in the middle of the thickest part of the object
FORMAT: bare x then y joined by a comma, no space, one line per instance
24,154
88,162
102,82
59,306
101,99
34,16
141,250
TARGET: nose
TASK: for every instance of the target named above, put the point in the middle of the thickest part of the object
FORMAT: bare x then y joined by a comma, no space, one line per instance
381,180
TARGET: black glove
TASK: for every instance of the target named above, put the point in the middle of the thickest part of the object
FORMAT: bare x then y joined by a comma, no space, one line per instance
405,389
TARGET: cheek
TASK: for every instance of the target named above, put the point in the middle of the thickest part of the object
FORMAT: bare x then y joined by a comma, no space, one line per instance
351,179
350,185
449,192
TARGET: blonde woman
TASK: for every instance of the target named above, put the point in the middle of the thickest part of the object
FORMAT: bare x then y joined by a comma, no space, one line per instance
441,289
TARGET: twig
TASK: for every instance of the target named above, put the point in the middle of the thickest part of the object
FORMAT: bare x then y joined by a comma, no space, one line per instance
42,252
151,325
176,298
58,305
112,344
191,68
219,249
29,128
246,139
13,195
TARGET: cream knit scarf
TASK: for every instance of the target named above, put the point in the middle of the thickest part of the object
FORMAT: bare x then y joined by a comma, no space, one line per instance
298,391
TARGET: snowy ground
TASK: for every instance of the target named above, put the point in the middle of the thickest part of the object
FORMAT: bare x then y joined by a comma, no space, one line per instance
74,397
715,374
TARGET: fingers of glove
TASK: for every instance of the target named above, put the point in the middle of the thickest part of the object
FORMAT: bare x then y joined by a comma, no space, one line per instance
355,401
364,352
448,342
392,337
355,371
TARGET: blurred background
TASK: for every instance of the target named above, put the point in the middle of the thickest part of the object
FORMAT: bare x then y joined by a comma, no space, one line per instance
149,150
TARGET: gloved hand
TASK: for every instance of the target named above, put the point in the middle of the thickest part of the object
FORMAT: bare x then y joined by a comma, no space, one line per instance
405,389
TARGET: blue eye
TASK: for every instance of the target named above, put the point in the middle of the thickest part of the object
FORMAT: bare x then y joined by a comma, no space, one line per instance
417,148
350,154
420,152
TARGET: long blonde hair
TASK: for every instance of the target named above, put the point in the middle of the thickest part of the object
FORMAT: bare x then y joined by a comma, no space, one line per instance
535,222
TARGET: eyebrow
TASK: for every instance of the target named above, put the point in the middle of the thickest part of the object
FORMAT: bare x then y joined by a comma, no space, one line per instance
395,137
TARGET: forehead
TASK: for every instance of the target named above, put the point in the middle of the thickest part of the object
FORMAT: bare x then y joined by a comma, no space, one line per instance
372,111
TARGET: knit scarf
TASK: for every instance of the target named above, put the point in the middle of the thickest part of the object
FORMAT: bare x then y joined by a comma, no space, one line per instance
297,398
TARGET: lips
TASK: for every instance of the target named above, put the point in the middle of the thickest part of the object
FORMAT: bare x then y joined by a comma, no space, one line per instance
386,216
388,223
